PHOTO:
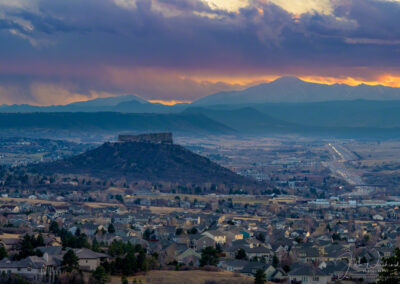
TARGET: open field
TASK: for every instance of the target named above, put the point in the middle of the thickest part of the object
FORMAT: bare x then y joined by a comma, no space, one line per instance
102,204
243,199
9,236
12,200
31,201
188,277
168,210
376,152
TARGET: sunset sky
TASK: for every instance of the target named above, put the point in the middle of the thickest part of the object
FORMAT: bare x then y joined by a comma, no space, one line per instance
57,52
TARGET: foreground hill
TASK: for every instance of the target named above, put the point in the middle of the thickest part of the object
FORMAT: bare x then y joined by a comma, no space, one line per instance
136,161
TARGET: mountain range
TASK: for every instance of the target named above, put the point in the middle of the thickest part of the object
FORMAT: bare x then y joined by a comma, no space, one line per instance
113,121
127,104
294,90
286,105
282,90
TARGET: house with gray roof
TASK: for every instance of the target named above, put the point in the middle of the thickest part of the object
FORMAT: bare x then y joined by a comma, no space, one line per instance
88,259
40,269
307,273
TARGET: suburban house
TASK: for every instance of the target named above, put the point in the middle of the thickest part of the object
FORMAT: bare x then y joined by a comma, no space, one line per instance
306,273
88,259
40,269
217,236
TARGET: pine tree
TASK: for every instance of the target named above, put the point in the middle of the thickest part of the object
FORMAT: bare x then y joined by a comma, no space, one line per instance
275,261
100,276
111,228
390,273
260,277
124,280
3,252
54,228
70,261
241,254
209,256
95,245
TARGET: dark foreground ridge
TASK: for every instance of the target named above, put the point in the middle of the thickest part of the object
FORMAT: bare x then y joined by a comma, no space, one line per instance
138,161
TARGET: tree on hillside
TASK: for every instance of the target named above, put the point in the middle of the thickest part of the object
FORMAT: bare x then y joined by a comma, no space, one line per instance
260,277
99,276
148,234
75,277
70,261
3,252
390,273
28,245
120,198
111,228
124,280
241,254
260,237
39,242
128,259
27,248
275,261
209,256
95,245
70,240
192,231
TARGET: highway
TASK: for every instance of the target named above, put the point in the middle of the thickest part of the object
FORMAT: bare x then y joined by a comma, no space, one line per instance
340,155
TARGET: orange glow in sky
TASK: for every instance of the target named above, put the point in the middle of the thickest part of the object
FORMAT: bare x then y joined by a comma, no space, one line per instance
169,103
242,82
385,80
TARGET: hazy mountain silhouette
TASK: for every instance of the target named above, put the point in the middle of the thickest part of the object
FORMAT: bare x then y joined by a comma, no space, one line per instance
109,101
286,105
294,90
112,121
282,90
245,120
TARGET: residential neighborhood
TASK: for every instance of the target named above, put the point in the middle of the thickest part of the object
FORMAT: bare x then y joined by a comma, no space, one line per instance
297,242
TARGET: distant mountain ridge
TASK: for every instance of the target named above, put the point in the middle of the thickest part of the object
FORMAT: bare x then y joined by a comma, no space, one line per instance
353,119
127,103
244,120
287,105
294,90
282,90
113,121
109,101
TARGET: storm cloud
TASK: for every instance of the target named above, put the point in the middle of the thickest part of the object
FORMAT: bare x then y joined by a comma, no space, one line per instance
60,51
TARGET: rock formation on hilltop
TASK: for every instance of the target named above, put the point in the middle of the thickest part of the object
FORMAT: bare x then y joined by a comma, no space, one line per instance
144,161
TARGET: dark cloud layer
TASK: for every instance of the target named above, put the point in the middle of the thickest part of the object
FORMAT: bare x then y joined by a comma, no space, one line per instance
104,47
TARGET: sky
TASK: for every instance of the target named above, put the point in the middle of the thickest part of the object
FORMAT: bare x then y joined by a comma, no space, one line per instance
61,51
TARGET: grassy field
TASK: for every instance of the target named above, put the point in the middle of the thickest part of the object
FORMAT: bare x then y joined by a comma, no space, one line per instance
31,201
235,198
188,277
11,200
168,210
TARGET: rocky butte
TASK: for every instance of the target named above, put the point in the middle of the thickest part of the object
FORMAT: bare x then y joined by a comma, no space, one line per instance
154,138
149,158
